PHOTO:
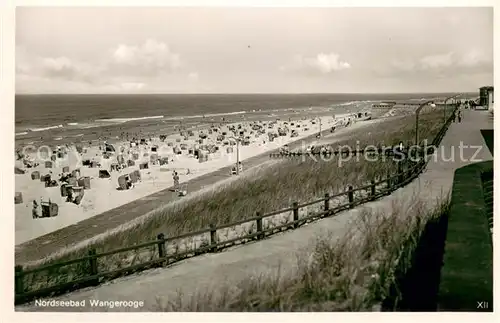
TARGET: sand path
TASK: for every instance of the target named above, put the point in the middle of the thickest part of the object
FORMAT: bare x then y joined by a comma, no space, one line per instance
240,262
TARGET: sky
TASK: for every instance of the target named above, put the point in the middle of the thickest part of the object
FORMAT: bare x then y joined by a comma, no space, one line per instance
253,50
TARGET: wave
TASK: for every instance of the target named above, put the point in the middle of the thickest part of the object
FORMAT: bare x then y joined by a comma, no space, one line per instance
208,115
111,121
44,129
122,120
347,103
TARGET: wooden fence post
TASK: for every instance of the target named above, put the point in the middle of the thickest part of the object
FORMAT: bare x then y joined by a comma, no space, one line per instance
327,201
19,280
213,237
295,206
389,180
259,226
400,172
161,246
350,195
93,265
372,189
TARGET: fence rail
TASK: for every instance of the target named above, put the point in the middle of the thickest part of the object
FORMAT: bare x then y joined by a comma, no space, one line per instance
388,151
90,275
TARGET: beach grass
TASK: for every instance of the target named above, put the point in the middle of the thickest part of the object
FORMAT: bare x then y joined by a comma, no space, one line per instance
265,189
355,272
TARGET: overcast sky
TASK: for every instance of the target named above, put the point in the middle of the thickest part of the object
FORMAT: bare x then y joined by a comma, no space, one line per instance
245,50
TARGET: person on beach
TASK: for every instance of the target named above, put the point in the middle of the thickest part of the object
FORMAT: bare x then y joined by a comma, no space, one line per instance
34,211
459,116
176,181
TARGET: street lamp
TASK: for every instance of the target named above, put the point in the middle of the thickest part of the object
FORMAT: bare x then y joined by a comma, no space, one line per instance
416,118
445,104
319,134
237,154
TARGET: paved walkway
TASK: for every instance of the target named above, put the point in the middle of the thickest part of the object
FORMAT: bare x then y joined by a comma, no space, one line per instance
233,265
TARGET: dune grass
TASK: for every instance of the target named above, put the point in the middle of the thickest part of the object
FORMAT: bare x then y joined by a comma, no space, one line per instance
265,190
355,272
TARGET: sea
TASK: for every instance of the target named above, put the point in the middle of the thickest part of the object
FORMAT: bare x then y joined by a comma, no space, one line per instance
58,119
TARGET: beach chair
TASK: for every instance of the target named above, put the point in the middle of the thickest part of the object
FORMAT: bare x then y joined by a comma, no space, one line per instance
76,194
103,173
18,198
49,209
19,171
84,182
182,191
133,177
35,175
124,182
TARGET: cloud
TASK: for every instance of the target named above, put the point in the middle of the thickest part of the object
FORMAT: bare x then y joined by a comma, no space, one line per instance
62,68
66,69
124,68
474,58
133,85
444,64
148,59
321,63
436,61
193,77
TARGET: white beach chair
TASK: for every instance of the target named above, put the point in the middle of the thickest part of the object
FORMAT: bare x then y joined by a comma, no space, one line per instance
183,190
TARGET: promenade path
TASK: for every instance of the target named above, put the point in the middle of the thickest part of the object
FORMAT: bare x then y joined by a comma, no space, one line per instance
66,237
266,256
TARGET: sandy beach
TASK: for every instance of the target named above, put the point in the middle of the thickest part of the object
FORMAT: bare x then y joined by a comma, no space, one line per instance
215,145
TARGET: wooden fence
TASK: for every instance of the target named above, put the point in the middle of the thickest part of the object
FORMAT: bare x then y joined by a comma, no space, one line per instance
55,281
487,179
388,151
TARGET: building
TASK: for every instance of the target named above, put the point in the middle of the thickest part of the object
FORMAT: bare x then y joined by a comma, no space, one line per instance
486,99
385,104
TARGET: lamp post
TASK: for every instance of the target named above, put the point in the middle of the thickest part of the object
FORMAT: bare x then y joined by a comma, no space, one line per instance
445,104
416,119
319,134
237,154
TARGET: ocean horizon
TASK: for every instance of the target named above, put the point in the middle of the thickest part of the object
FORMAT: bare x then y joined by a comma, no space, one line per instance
42,116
